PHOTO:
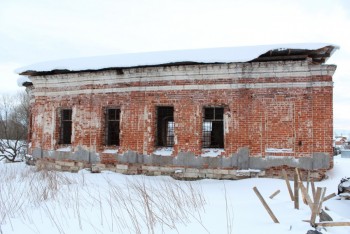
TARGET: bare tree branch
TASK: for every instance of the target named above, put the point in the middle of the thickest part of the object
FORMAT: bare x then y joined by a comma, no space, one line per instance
14,112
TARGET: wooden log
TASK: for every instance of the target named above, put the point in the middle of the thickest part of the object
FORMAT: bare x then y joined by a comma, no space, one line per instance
315,206
274,194
332,224
265,205
284,173
329,197
296,192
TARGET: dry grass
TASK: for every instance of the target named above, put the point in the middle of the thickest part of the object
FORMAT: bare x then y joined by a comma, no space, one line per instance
137,205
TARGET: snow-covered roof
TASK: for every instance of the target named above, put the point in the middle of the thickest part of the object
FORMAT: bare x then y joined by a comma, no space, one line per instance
212,55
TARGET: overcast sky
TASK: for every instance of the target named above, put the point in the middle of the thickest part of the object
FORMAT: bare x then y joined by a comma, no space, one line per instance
41,30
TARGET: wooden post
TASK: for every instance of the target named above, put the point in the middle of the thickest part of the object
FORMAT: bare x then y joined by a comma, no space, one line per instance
265,205
284,173
301,185
308,182
296,192
332,224
305,195
313,189
274,194
315,206
321,199
329,197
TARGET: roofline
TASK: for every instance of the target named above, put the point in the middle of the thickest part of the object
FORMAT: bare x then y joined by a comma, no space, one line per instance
316,56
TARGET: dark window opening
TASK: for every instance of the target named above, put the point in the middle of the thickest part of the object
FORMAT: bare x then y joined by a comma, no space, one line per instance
112,126
66,126
213,127
165,126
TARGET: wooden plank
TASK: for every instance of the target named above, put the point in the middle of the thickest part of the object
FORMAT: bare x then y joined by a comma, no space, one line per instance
274,194
321,199
313,190
308,182
315,206
332,224
306,195
265,205
296,191
285,176
329,197
301,186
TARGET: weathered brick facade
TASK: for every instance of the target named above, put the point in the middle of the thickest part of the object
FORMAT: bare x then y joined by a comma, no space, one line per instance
276,110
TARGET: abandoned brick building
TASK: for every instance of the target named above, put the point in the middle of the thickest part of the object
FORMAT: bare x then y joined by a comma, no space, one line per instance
211,113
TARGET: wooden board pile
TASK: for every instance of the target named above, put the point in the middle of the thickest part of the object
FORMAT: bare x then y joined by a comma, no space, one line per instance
314,201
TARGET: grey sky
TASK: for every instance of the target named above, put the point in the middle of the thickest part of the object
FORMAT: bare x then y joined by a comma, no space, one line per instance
41,30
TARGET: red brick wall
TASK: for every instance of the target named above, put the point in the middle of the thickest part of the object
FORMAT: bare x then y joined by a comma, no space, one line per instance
282,117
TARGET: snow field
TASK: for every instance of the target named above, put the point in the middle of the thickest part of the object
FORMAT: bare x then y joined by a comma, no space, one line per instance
58,202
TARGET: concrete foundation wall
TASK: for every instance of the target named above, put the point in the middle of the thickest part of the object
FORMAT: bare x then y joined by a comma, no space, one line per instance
240,160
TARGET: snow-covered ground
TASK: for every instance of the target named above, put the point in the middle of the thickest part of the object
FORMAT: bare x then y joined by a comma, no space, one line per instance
58,202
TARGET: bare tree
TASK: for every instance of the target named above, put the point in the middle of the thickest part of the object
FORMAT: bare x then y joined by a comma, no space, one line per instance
14,112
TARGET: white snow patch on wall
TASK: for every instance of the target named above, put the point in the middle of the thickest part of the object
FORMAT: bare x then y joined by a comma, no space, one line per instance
276,150
65,149
212,152
249,170
110,151
165,151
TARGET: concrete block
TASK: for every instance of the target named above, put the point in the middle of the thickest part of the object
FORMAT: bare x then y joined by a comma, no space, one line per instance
320,161
80,164
228,177
58,167
243,158
145,167
262,173
233,172
100,165
121,171
214,162
59,162
217,176
190,175
74,169
208,175
192,170
95,169
222,172
64,163
122,167
206,171
242,173
150,168
167,169
157,173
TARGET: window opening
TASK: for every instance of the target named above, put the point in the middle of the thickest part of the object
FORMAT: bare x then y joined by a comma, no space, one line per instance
66,126
112,126
165,126
213,127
